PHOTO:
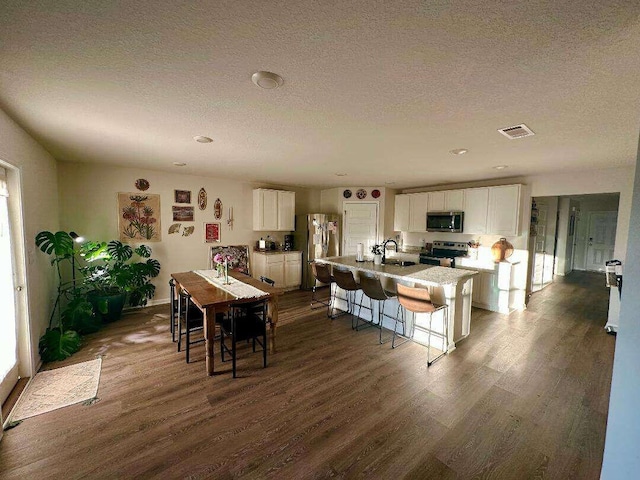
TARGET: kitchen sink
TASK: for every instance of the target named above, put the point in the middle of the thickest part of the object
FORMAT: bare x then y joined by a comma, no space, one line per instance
399,263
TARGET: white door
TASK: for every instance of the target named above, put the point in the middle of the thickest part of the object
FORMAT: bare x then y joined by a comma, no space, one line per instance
601,239
360,225
8,316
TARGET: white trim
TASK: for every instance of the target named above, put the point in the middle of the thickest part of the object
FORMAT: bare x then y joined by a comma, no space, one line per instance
344,218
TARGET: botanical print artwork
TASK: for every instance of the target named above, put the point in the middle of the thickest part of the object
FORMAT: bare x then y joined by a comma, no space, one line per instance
139,217
182,196
182,214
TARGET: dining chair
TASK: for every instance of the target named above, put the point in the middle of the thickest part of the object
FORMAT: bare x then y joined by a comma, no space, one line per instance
418,300
192,320
244,323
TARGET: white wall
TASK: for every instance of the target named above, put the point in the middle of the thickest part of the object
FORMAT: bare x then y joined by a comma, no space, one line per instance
621,452
35,170
88,207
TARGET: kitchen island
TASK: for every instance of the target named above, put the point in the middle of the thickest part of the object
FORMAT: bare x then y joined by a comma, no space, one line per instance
450,286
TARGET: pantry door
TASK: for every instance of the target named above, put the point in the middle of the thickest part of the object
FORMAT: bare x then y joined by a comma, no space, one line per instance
360,225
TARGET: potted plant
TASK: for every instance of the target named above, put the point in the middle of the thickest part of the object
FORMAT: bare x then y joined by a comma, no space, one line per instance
71,315
377,254
113,277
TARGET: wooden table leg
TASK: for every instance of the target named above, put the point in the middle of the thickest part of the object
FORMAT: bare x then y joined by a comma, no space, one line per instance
209,336
273,315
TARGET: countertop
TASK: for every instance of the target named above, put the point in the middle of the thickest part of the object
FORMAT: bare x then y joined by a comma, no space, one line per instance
423,274
274,252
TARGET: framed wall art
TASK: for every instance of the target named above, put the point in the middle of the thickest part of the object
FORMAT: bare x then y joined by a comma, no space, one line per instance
212,232
182,196
182,214
139,217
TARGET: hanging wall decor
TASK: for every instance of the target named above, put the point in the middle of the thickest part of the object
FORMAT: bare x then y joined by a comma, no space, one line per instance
142,184
188,231
182,196
139,217
175,228
217,209
211,232
202,199
182,214
361,194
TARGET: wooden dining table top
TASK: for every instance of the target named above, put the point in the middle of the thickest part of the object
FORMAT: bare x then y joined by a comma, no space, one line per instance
206,294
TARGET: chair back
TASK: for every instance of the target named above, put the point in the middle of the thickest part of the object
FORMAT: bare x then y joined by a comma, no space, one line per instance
345,280
321,272
417,300
372,288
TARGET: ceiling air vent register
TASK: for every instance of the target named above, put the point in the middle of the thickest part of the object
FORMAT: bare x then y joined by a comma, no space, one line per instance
517,131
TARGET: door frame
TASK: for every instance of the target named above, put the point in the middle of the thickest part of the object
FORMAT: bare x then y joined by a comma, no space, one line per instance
16,215
344,218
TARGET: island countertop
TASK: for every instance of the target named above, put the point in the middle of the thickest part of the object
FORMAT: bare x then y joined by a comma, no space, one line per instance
419,273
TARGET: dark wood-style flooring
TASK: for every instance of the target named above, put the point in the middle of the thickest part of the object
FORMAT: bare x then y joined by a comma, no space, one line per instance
525,396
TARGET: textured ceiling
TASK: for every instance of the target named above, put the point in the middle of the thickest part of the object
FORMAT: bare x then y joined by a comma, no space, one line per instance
380,91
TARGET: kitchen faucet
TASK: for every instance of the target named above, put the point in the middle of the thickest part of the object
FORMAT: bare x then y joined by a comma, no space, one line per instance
384,248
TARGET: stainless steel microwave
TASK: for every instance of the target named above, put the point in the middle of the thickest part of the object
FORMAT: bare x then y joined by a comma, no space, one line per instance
445,222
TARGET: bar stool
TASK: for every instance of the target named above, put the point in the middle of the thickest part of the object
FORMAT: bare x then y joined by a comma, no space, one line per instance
322,274
372,288
418,300
344,280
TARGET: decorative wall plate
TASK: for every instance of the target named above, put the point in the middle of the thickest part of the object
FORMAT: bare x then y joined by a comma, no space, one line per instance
142,184
202,199
217,209
361,194
375,193
346,194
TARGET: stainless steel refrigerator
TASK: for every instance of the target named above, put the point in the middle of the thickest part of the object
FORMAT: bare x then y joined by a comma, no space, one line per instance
318,236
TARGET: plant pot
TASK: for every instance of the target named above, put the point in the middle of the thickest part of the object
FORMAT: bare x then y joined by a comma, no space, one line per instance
107,308
377,259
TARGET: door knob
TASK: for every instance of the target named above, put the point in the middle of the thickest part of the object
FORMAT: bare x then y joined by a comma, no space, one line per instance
19,288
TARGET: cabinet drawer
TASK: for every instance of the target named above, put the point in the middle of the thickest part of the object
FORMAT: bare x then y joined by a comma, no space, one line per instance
274,258
293,258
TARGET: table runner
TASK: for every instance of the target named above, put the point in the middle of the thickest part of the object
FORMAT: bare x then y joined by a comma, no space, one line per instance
235,287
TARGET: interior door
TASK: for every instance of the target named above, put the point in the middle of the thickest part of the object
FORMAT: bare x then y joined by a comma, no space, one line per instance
8,316
360,225
601,239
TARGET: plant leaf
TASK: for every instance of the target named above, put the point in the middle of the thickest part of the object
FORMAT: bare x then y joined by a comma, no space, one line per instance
119,251
55,345
143,251
59,243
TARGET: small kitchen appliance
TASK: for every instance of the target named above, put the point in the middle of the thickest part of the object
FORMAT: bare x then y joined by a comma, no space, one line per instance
444,253
445,221
288,243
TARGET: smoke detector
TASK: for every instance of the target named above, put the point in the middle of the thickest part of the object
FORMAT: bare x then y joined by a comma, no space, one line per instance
517,131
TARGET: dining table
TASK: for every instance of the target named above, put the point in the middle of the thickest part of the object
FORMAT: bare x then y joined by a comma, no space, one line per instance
210,299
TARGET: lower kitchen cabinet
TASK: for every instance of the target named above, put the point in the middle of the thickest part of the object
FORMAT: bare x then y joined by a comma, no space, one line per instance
284,268
496,290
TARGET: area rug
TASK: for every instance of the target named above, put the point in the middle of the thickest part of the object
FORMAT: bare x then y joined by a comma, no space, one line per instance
61,387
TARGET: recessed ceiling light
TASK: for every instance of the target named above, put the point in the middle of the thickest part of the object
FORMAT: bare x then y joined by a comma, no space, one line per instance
202,139
389,183
341,174
459,151
267,80
500,167
179,164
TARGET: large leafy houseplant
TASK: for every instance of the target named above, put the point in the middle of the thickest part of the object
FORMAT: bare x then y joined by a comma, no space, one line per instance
71,315
113,275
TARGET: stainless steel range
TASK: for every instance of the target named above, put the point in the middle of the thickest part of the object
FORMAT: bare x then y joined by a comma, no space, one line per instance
444,253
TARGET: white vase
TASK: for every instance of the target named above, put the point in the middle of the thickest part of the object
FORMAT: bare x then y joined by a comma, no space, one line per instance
377,259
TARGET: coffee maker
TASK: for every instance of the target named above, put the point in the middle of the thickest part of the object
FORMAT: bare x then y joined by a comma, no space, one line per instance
288,243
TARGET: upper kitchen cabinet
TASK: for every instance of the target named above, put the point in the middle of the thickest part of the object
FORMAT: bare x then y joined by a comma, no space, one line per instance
410,213
504,210
476,205
446,201
273,210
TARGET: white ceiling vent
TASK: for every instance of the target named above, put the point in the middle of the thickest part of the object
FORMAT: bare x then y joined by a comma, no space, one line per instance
517,131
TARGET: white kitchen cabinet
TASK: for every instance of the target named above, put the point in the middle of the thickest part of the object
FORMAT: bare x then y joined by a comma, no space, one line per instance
485,291
410,214
273,210
401,213
454,200
418,203
504,210
285,268
436,201
476,205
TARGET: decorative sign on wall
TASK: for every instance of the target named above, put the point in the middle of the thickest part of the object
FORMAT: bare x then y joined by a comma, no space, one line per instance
182,196
211,232
202,199
217,209
139,217
182,214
